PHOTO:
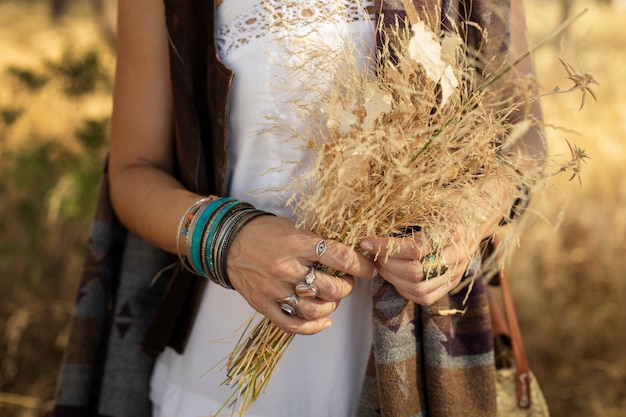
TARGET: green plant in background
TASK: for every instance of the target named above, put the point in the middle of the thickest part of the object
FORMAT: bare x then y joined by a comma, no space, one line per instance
9,115
48,185
30,79
80,74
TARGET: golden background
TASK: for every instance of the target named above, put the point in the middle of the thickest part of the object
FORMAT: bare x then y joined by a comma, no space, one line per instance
568,274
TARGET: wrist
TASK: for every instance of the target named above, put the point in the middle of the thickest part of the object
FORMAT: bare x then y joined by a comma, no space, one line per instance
206,233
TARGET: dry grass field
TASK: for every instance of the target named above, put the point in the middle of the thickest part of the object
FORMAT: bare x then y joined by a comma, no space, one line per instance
567,274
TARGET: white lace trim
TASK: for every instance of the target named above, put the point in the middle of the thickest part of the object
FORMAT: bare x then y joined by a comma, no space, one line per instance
254,19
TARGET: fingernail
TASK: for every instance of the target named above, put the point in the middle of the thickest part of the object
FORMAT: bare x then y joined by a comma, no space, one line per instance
328,324
375,272
367,246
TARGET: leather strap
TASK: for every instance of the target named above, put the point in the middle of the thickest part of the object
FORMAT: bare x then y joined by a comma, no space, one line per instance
411,11
510,326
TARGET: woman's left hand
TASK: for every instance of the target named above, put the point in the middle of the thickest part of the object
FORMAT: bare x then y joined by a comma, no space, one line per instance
401,262
404,261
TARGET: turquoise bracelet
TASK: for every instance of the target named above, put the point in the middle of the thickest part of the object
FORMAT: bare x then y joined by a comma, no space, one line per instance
197,231
208,229
209,236
220,240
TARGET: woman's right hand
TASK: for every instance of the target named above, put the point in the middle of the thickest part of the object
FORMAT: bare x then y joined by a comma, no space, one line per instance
270,256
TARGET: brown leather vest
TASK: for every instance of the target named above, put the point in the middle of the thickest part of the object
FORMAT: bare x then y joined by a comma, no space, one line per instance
201,85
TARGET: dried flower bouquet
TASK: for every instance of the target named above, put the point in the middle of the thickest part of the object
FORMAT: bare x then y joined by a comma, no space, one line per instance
413,139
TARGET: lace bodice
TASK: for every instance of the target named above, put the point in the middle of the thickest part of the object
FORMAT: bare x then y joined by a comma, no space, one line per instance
244,20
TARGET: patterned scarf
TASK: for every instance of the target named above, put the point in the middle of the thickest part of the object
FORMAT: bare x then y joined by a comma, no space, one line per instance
427,364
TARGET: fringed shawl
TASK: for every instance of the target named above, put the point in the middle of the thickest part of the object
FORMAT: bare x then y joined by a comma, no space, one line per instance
424,363
427,364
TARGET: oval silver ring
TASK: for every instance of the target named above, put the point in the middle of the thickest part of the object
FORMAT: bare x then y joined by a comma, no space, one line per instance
307,288
310,277
320,248
289,305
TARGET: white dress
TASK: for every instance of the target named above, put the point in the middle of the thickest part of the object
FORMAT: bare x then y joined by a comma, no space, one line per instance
319,375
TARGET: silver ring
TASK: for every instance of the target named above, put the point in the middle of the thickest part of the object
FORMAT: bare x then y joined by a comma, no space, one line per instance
310,277
433,265
307,288
289,305
320,248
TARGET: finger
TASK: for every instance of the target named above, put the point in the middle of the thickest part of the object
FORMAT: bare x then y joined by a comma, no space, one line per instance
456,258
314,308
412,269
328,292
328,287
435,295
426,292
339,257
408,247
294,324
409,270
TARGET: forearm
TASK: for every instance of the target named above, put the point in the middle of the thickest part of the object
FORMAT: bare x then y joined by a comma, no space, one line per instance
149,202
145,195
523,159
532,145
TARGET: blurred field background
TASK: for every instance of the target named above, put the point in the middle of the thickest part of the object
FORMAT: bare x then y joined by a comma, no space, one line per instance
567,274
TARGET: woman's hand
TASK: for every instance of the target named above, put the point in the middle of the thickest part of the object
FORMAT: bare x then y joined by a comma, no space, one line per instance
401,261
270,256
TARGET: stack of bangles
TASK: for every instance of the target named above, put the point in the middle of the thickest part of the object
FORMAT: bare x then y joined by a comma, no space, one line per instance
207,231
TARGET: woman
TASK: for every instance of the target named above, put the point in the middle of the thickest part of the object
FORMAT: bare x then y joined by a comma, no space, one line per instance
175,104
